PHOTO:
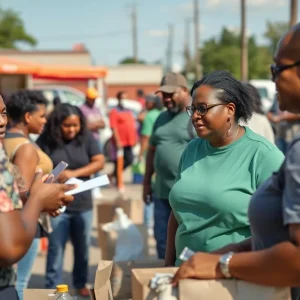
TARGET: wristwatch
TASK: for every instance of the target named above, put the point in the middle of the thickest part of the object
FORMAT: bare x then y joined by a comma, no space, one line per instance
224,264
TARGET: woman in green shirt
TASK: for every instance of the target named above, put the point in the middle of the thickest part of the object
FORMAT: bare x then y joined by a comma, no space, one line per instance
219,171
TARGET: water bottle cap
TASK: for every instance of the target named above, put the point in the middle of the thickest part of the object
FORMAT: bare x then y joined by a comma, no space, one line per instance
62,288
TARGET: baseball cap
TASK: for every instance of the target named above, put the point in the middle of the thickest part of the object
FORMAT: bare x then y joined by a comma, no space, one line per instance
91,93
171,81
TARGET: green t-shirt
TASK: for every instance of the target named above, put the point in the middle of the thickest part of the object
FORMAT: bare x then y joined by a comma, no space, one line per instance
214,185
170,136
149,121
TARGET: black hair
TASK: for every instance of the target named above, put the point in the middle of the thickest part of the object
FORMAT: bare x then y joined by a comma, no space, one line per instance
52,135
22,102
56,101
140,93
119,94
229,90
255,98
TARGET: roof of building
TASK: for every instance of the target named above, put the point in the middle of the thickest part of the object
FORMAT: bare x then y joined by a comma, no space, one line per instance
13,66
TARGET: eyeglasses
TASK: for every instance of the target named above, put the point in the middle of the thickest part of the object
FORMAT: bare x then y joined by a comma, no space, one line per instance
276,70
201,109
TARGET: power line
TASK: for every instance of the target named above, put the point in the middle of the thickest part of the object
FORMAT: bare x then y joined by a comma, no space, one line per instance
84,36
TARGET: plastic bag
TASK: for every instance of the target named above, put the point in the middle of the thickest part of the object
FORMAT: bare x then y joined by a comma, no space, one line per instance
161,284
130,243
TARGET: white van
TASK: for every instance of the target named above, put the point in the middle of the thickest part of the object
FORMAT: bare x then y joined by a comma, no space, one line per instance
267,91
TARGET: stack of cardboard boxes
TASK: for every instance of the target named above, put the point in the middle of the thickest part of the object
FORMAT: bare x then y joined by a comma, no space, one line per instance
121,271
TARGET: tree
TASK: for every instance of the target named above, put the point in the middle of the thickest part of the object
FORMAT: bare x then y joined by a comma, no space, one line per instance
12,30
131,60
274,32
224,54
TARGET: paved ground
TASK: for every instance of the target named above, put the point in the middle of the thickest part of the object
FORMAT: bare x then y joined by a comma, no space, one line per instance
38,275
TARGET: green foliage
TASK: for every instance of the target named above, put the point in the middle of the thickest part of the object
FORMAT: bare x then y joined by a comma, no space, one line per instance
12,30
130,60
274,32
223,53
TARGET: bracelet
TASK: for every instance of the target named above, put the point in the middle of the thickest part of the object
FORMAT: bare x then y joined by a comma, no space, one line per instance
224,264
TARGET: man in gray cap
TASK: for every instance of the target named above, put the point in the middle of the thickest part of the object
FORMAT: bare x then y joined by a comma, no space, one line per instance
168,140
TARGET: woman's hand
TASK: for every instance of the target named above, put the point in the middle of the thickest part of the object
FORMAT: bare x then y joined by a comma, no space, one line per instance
55,213
50,196
199,266
65,175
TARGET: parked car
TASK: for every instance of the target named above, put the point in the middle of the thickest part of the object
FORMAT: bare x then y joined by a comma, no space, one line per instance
65,93
267,91
75,97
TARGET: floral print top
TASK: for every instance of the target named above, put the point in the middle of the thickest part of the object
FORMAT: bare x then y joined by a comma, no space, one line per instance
9,200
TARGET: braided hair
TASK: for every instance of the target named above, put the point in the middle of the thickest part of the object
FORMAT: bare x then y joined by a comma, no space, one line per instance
228,90
255,98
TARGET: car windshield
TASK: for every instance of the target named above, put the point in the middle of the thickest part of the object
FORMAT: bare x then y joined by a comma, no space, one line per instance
263,92
73,99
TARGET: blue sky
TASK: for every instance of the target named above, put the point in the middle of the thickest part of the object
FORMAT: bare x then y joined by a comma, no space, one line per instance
104,25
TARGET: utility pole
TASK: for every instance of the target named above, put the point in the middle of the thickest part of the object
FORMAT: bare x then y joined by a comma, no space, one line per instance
134,32
244,43
187,54
170,47
198,72
293,12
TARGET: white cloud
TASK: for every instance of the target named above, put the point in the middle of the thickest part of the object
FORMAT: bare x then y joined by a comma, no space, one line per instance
157,33
215,4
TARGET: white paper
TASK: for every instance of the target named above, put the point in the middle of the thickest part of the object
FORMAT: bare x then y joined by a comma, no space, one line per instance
74,180
89,184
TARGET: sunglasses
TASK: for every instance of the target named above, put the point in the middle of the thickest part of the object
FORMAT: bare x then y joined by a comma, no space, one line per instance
276,70
201,109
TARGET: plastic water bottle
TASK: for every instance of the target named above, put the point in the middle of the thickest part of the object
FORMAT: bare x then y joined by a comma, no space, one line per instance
62,292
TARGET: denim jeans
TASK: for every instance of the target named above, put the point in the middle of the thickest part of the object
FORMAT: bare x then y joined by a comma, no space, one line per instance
77,226
24,267
162,211
149,215
282,144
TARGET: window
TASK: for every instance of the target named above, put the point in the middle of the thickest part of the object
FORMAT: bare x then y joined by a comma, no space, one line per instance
263,92
72,98
49,95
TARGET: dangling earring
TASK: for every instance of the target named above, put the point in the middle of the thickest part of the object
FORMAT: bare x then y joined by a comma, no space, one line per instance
229,130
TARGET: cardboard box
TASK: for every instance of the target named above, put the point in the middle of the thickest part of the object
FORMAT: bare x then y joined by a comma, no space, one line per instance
102,287
121,276
229,290
30,294
133,208
191,289
107,242
141,279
